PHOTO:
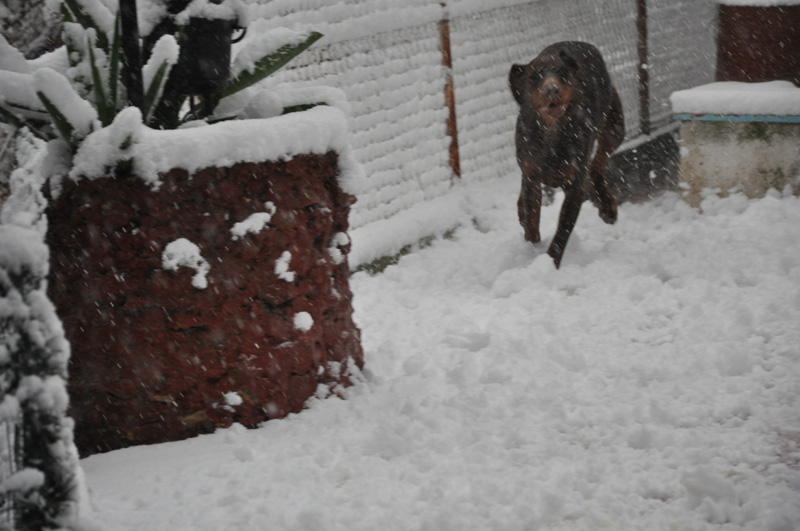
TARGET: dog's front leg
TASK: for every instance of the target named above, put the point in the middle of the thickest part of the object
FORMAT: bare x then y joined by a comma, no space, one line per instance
603,197
609,140
529,207
573,200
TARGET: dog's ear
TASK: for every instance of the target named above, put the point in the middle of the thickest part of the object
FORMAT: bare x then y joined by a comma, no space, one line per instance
570,61
516,80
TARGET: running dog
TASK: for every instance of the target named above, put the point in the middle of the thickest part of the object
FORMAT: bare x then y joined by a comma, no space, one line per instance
570,121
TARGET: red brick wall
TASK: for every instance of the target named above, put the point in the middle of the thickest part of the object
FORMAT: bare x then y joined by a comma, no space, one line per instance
152,355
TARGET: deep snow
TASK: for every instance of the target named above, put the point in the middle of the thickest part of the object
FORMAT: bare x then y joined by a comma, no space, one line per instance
652,383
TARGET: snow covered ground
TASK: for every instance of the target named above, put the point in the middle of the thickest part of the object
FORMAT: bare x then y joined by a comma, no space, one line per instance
653,383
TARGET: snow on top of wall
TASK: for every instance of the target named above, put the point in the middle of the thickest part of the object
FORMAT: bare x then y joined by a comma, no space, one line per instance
346,21
318,131
343,21
731,97
457,8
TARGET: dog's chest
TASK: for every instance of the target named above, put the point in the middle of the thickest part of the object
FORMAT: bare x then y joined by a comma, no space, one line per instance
566,142
550,150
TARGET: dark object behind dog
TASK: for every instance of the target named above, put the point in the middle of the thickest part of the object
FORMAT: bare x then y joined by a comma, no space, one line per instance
570,121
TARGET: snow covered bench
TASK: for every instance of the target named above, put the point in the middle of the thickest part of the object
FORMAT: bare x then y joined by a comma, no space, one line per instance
738,136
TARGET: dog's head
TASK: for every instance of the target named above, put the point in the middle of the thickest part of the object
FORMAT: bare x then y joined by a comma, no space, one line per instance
547,84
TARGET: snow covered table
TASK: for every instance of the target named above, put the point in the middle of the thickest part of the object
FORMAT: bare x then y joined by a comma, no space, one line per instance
738,136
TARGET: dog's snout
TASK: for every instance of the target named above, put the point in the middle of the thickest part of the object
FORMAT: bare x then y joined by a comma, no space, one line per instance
551,89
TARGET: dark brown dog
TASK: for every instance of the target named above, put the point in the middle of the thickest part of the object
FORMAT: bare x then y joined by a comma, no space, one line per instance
570,121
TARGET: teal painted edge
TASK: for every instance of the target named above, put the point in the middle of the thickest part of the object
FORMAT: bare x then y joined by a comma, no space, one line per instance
737,118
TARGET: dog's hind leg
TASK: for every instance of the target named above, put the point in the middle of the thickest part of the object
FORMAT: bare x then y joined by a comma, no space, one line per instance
609,139
574,196
529,207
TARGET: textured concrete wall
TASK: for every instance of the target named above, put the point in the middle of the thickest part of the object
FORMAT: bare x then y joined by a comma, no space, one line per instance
752,157
159,356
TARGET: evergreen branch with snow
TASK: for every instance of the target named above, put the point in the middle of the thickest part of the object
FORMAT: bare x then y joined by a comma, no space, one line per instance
43,485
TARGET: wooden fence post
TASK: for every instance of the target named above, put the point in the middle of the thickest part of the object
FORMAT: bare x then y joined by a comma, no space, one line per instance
449,93
644,74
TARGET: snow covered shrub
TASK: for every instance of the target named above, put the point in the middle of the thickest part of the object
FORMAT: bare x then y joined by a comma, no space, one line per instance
79,89
33,366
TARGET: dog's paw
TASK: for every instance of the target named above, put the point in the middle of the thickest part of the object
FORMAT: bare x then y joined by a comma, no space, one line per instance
608,213
533,237
556,252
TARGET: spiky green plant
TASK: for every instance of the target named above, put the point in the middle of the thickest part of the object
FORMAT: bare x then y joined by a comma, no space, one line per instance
91,35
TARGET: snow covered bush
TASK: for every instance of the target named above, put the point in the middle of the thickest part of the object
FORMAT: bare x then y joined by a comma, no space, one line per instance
33,368
79,89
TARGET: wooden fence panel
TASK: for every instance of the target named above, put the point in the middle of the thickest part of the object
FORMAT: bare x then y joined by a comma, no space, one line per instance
682,50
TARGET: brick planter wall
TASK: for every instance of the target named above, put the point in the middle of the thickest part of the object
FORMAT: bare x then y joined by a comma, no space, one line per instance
153,356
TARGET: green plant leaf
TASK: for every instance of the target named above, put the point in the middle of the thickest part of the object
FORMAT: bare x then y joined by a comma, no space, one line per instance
66,14
268,65
153,92
72,52
9,117
301,107
85,20
124,167
24,107
103,112
113,66
127,143
220,120
63,126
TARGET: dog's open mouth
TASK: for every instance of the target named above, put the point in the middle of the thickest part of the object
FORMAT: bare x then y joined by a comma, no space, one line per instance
554,110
